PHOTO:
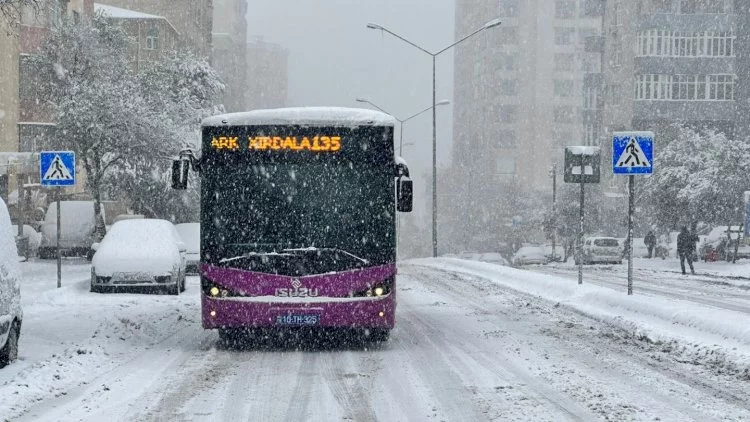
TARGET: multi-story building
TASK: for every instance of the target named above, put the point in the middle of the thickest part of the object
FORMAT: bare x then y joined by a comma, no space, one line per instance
150,35
229,50
193,19
267,75
518,95
673,61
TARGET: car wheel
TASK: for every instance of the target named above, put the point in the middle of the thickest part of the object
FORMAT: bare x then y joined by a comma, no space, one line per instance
95,288
9,352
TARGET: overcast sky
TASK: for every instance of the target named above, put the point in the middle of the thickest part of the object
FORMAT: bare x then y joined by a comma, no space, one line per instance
334,58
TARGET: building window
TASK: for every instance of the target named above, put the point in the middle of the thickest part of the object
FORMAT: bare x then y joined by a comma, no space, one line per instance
685,44
508,9
564,36
509,87
508,139
565,9
508,114
590,97
27,86
701,6
662,6
508,61
59,11
152,39
563,114
505,165
565,62
589,134
716,87
563,88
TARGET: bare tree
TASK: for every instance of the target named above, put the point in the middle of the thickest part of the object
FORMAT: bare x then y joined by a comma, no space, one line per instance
10,10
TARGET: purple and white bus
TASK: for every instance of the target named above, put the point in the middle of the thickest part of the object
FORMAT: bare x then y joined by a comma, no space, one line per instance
298,219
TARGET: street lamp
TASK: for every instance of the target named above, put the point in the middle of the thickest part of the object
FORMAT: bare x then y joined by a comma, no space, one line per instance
491,24
402,121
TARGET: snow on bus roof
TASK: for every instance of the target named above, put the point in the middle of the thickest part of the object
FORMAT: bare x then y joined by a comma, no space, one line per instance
305,116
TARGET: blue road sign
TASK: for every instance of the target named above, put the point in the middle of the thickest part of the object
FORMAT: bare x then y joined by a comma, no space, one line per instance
57,168
633,153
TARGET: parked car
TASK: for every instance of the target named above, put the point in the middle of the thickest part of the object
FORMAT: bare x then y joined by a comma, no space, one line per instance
528,255
11,314
190,233
140,253
35,238
493,258
602,250
77,227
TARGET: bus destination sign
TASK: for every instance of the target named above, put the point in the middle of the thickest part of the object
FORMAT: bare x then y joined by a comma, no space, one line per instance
278,143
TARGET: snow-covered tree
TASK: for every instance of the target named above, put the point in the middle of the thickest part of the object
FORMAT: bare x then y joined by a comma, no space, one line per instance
10,10
700,176
85,74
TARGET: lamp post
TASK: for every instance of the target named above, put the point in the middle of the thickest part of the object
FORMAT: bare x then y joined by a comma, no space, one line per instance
402,121
553,174
488,25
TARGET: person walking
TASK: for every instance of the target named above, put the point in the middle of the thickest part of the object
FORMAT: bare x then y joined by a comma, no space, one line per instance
650,241
685,248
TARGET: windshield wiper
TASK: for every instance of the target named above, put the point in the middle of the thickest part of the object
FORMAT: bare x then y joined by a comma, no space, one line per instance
252,255
314,249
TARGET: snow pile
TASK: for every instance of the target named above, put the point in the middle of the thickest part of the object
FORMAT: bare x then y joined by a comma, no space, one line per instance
313,116
654,318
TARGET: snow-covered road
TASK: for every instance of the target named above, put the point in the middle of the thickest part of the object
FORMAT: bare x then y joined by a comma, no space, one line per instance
466,347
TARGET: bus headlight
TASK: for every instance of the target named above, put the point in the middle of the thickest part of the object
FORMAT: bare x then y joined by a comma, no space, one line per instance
380,289
214,291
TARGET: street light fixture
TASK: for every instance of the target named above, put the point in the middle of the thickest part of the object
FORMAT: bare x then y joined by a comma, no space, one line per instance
491,24
402,121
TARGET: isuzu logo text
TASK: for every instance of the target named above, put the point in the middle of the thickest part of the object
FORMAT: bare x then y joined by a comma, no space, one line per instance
297,290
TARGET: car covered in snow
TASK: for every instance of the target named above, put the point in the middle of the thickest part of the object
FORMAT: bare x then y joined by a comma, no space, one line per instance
77,227
493,258
11,314
190,233
528,255
145,253
602,250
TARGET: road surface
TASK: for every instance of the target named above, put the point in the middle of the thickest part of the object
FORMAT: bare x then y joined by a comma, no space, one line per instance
464,349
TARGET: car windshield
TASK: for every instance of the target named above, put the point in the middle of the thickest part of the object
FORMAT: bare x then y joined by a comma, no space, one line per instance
606,242
374,210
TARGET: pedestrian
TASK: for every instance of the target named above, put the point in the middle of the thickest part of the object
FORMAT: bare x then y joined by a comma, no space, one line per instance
686,248
650,241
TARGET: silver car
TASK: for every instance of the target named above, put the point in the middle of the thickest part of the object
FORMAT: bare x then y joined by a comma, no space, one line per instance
598,250
190,233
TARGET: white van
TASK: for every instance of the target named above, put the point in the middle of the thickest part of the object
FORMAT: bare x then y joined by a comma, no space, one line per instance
10,291
77,226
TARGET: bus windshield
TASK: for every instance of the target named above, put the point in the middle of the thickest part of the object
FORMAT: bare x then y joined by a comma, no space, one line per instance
298,216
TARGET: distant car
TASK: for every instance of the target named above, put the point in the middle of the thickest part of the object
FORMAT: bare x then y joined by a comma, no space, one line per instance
602,250
77,227
529,255
472,256
190,233
493,258
11,314
140,253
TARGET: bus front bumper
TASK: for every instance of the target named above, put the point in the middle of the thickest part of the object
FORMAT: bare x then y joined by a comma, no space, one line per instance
270,312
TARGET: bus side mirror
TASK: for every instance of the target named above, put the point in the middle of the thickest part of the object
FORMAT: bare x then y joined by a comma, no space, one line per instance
180,170
405,194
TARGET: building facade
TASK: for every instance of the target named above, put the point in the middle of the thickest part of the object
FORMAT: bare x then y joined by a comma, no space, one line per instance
267,75
193,19
229,50
673,61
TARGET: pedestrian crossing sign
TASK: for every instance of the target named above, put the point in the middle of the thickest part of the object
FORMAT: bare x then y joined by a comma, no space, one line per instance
633,153
57,168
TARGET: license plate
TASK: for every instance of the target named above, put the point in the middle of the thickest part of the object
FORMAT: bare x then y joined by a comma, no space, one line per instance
294,319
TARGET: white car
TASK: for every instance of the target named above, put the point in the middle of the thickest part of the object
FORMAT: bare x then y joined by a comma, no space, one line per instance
11,314
602,250
528,255
190,233
493,258
77,226
140,253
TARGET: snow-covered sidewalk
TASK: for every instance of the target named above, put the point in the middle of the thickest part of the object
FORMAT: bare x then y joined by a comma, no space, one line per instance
699,328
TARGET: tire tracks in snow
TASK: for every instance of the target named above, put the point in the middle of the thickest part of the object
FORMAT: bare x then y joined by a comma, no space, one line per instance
636,360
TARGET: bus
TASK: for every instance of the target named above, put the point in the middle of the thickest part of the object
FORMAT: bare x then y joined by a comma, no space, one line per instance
298,219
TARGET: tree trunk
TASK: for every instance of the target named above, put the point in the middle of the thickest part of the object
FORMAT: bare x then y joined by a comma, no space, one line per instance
94,183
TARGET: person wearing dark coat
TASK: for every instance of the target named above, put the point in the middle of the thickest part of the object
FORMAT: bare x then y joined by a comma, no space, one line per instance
650,241
685,248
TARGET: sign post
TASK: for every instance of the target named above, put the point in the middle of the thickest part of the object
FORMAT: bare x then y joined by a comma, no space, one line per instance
57,169
632,153
582,165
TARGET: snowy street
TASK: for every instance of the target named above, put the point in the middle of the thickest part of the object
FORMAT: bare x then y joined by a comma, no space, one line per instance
471,343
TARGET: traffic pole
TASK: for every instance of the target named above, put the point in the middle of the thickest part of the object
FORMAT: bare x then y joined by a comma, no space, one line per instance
59,257
631,209
580,230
